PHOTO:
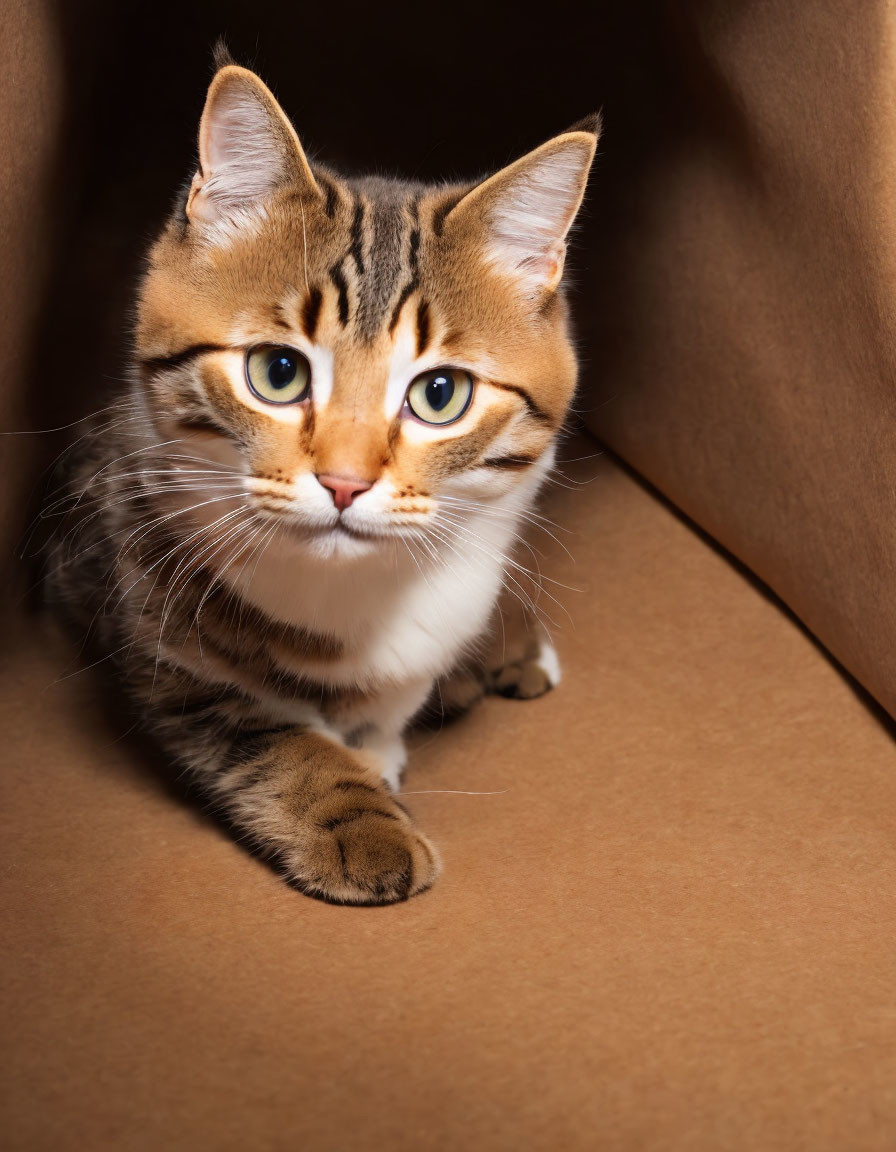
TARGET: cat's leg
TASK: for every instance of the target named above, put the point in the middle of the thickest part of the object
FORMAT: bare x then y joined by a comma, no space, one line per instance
389,748
516,658
323,810
457,692
523,664
383,734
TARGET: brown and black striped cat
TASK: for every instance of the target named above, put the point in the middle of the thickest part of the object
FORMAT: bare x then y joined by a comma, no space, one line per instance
346,395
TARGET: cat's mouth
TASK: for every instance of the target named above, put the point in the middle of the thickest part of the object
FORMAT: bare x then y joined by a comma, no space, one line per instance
338,529
341,530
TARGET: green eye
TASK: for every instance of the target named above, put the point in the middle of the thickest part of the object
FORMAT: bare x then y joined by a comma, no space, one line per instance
440,396
278,375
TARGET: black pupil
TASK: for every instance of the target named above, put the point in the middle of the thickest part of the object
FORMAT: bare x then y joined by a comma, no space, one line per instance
282,369
439,390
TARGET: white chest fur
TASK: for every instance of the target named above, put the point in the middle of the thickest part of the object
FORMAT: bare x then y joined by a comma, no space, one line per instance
400,616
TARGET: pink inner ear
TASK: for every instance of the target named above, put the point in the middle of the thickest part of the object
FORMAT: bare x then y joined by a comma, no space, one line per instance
198,206
247,148
232,125
554,260
243,153
531,208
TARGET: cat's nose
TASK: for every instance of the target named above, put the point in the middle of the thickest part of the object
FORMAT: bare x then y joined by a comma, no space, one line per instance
343,489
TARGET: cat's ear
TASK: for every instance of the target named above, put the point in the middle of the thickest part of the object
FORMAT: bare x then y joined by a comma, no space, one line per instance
247,148
525,211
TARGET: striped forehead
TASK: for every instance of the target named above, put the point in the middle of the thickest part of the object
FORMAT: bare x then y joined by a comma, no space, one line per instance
378,269
372,377
366,308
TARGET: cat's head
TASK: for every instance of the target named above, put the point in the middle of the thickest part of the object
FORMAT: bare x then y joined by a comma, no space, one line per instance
364,352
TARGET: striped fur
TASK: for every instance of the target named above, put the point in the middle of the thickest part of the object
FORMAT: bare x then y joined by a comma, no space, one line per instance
276,644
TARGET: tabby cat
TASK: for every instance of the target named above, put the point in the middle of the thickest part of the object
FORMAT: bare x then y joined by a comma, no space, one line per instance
295,528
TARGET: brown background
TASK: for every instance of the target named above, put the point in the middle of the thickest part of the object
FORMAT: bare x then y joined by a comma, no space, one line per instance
733,266
672,928
431,93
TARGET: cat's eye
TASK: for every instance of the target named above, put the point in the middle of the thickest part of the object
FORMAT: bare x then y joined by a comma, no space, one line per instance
278,375
440,395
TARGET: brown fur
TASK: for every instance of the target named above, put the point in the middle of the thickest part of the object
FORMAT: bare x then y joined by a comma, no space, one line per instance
277,719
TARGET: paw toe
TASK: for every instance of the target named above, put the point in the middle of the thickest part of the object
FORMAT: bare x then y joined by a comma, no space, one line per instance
369,855
522,681
530,677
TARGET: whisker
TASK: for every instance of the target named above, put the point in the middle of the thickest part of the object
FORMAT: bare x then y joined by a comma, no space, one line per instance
517,589
467,531
450,792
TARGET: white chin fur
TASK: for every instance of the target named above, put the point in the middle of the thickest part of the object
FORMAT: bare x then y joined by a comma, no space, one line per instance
403,611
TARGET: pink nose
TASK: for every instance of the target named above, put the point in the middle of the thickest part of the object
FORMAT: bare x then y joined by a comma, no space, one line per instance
343,489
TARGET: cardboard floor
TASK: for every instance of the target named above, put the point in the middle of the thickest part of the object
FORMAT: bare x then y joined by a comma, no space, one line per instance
671,928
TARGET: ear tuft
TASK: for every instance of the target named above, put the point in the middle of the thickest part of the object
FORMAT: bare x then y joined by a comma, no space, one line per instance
221,54
592,123
247,148
526,210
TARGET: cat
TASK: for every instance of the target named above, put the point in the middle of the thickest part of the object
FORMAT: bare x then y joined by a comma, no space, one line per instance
295,527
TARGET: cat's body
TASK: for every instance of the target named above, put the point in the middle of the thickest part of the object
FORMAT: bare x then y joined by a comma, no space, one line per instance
301,520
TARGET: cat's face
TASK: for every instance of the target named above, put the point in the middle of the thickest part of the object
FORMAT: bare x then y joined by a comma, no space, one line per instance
369,354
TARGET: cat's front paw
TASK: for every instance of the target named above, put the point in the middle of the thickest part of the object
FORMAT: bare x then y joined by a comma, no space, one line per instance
363,849
537,671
